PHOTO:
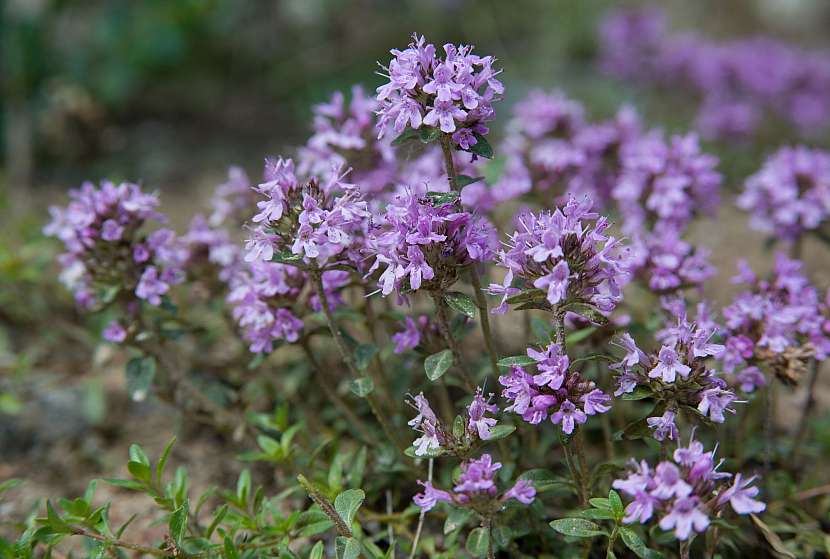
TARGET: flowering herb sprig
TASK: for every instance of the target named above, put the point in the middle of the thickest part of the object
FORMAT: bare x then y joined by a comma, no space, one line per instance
318,223
555,392
110,256
452,93
466,433
790,195
567,258
553,151
777,325
344,136
677,376
424,242
686,492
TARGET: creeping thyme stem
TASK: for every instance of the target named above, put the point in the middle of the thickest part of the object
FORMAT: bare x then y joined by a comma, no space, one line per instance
446,333
481,300
347,357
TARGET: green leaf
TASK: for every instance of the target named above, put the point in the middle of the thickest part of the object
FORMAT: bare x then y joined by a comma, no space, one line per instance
347,548
597,514
532,295
347,503
482,147
461,302
478,541
139,471
545,480
542,329
464,180
178,523
600,503
579,335
362,386
317,551
588,312
140,374
578,528
639,393
165,454
616,504
363,355
442,198
287,257
522,360
10,484
456,519
218,516
459,426
500,432
429,134
405,136
230,549
437,364
633,542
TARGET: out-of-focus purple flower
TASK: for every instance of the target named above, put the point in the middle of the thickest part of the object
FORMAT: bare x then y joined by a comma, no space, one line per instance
523,491
790,194
742,497
664,426
408,338
114,332
431,496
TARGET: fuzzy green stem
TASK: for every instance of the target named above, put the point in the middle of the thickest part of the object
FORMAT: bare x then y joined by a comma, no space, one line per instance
442,317
354,421
481,300
348,358
806,411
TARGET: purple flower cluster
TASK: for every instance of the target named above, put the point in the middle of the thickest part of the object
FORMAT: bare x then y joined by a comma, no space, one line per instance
550,148
108,255
211,252
344,137
677,375
416,332
232,200
667,263
776,325
268,300
738,80
686,492
565,257
554,391
423,243
476,488
665,183
437,439
322,222
454,93
790,195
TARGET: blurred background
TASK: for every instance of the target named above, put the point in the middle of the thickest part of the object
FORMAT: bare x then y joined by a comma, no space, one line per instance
171,92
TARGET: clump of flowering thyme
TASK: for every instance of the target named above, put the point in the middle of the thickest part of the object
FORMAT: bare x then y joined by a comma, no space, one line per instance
554,392
476,489
424,242
777,325
110,257
317,222
453,93
686,492
677,376
790,195
459,440
566,258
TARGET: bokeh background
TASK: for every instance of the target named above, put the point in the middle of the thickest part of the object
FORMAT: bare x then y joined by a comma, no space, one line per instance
172,92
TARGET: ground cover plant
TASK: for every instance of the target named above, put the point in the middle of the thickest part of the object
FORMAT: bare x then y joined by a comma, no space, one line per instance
416,339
